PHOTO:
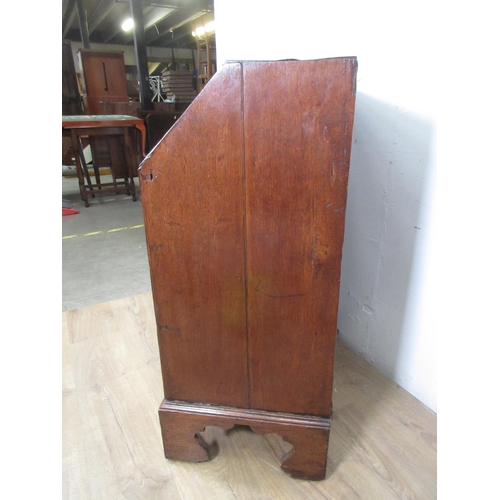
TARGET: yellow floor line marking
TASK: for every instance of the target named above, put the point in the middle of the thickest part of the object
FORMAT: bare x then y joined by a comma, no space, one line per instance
103,232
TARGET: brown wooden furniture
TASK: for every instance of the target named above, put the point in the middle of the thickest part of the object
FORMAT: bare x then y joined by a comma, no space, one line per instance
244,202
157,125
104,78
157,120
124,160
120,108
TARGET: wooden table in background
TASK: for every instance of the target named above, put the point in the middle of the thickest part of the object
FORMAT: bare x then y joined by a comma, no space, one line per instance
121,128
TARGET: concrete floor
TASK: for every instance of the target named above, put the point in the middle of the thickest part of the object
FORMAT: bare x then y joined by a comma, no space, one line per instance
104,254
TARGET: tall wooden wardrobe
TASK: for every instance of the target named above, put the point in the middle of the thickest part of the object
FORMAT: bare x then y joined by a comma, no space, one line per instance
104,78
244,203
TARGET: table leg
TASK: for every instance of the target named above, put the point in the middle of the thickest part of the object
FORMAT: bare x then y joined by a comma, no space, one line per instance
97,173
129,154
80,161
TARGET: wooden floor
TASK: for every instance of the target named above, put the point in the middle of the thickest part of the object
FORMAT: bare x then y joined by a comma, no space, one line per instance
382,442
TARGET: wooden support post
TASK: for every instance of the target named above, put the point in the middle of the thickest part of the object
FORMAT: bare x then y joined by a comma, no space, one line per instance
141,55
84,28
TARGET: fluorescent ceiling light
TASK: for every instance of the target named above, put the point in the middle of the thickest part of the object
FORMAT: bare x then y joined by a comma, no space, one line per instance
128,24
208,28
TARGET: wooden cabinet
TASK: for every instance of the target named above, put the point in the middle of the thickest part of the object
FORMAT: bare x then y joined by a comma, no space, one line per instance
244,203
104,78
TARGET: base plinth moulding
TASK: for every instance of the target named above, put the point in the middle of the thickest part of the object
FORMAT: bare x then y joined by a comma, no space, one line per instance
181,425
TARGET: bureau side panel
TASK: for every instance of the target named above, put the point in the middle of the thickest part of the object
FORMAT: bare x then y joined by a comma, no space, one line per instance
192,195
298,119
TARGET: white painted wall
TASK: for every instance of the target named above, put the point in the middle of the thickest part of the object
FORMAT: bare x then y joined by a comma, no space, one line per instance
388,287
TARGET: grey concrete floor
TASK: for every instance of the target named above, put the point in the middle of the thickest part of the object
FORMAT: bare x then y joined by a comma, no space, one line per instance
104,254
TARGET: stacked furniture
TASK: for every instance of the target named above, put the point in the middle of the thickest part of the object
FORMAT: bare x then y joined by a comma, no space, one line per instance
178,86
114,148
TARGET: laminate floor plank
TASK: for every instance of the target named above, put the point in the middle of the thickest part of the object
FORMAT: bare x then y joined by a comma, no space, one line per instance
382,440
252,467
75,480
386,409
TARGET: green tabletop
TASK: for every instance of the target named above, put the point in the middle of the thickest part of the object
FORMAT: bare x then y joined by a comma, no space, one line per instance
90,118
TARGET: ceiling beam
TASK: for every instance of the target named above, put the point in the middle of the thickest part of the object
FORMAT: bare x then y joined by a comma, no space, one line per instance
207,5
168,29
69,13
173,38
99,14
116,31
84,28
151,18
166,22
156,16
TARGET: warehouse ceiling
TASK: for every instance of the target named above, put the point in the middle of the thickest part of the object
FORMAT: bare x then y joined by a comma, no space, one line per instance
167,23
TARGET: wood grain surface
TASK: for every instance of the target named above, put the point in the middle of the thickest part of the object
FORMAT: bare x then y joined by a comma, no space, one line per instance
182,424
244,204
192,196
382,440
298,132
